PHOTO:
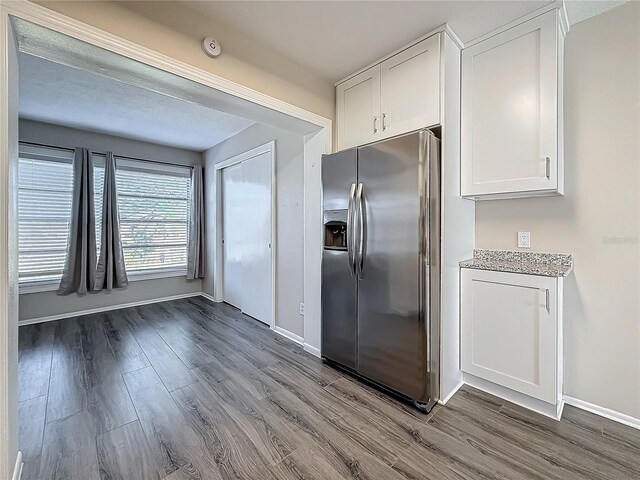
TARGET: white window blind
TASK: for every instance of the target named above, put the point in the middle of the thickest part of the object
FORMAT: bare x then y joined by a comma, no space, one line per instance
154,215
45,183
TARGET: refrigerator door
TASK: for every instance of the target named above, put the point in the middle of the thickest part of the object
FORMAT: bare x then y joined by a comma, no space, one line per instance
392,288
338,268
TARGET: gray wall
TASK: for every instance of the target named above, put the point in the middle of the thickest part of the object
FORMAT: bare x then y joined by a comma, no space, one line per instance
289,215
598,219
43,304
39,132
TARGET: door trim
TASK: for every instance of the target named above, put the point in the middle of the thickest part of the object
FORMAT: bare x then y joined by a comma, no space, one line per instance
218,278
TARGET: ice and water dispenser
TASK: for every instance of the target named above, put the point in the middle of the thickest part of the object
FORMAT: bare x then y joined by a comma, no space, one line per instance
335,229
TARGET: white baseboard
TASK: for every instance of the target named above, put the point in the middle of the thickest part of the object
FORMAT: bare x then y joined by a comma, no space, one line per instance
106,308
312,350
603,412
443,401
209,297
17,470
291,336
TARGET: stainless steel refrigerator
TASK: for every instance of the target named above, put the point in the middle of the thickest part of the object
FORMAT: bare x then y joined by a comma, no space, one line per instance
381,264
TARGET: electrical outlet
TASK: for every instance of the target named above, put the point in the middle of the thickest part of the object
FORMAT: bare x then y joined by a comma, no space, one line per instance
301,308
524,239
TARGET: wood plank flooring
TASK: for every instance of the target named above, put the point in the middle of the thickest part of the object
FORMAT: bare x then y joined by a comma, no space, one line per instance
190,389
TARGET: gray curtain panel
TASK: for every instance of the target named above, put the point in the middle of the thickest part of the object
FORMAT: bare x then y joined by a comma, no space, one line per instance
111,272
79,272
195,254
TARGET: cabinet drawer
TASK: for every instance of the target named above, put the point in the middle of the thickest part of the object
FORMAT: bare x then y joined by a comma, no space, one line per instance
509,330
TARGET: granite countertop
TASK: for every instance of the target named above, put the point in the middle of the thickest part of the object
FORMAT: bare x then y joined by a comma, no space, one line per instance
530,263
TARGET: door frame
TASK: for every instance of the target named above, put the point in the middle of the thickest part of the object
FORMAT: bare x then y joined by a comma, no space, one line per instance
319,140
218,259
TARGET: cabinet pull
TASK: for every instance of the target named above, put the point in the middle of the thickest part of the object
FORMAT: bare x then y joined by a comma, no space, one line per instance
384,122
547,167
547,301
375,124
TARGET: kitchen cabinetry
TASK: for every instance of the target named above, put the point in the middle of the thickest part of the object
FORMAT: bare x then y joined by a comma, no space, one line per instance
512,111
511,332
398,95
358,107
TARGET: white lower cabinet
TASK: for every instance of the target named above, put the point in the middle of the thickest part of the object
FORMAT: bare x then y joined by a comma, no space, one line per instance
511,332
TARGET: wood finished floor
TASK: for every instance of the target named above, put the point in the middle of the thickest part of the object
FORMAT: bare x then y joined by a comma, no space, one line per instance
189,389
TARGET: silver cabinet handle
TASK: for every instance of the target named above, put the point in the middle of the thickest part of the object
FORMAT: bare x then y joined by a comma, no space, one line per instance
384,122
375,124
350,228
361,241
548,168
547,301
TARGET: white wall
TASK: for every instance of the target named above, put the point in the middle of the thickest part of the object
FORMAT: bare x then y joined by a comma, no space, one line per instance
598,219
289,215
42,304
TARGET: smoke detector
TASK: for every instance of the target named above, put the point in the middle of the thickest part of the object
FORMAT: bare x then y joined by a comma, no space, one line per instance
211,47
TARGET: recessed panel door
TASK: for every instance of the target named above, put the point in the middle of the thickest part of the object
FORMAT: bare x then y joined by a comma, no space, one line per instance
410,86
358,109
509,330
510,111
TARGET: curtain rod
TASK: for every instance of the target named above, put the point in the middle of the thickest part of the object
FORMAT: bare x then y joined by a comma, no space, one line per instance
103,153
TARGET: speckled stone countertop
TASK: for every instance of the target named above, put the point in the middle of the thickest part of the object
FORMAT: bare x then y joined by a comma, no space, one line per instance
530,263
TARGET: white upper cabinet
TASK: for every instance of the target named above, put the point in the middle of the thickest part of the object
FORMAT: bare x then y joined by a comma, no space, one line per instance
358,108
512,112
398,95
411,88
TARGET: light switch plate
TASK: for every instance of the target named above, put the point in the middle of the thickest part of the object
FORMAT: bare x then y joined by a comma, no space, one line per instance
524,239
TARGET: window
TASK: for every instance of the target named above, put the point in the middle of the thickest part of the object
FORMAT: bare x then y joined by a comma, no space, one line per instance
154,215
45,183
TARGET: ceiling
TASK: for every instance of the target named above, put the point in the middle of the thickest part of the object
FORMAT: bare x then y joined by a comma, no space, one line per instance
55,93
336,38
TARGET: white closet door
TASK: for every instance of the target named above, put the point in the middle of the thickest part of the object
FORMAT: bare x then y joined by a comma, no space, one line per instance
257,300
232,234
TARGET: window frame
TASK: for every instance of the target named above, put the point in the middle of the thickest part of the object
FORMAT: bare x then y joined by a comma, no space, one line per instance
33,151
132,164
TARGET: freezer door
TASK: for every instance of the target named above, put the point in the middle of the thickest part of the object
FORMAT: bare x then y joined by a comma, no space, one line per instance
338,282
392,343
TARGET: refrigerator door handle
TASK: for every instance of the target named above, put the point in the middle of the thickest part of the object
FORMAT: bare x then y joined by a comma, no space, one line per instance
362,230
350,230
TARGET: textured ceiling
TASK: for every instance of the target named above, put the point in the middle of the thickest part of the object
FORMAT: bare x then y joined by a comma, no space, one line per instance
579,10
56,93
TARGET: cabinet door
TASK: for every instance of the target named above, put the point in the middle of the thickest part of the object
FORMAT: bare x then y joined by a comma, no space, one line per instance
510,111
411,88
509,330
358,109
